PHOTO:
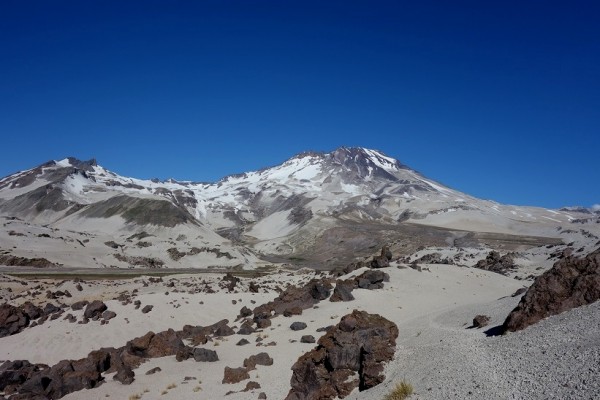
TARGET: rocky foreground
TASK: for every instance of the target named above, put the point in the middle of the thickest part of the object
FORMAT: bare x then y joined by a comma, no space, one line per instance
306,335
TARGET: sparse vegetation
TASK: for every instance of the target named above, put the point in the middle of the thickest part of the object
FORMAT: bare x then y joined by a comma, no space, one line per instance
401,391
135,397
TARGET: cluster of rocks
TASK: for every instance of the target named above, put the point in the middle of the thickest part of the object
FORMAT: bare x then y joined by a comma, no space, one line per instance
16,261
292,301
571,282
380,261
15,319
434,258
494,262
350,355
23,380
371,279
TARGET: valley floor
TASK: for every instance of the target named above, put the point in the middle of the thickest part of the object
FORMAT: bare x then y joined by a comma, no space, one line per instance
436,351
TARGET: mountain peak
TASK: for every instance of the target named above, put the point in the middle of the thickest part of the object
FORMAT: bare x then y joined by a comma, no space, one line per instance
366,157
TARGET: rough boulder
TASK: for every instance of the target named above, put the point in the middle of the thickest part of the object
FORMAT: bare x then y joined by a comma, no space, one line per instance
571,282
349,356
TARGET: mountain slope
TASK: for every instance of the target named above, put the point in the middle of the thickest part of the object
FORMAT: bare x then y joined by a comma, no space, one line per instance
320,208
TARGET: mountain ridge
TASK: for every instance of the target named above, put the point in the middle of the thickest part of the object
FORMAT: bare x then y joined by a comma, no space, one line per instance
304,208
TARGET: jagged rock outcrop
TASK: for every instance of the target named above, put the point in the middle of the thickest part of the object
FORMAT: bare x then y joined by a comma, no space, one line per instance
349,356
292,298
571,282
12,320
496,263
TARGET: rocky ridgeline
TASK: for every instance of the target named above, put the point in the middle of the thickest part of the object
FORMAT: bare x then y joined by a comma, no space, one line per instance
571,282
350,355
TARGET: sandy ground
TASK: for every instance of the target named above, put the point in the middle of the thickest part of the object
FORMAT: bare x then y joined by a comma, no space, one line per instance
436,351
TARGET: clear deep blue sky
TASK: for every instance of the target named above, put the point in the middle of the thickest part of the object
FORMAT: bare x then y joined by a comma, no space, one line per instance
499,99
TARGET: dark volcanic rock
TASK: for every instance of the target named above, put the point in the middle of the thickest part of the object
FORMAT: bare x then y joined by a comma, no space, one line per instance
342,291
307,339
32,311
12,320
298,326
570,283
235,375
480,321
16,372
224,330
350,355
380,262
263,358
94,309
79,305
147,309
205,355
153,371
292,300
152,345
108,315
371,279
246,329
496,263
125,375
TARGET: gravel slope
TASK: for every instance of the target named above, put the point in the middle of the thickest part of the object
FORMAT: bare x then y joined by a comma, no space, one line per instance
558,358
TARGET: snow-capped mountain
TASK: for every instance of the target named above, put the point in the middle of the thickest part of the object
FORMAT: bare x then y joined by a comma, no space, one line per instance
349,199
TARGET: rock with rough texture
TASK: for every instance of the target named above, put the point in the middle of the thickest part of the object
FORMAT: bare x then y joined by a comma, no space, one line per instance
153,371
380,262
107,315
571,282
297,326
165,343
480,321
205,355
94,309
125,375
292,300
307,339
246,329
342,291
235,375
371,279
147,309
263,358
79,305
12,320
496,263
15,373
349,356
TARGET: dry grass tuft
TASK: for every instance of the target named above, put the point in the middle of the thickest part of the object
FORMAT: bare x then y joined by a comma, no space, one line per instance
402,391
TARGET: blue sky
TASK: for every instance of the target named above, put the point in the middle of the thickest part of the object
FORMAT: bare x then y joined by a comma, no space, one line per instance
497,99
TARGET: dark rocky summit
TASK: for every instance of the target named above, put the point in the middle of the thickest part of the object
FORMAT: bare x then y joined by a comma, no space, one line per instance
571,282
350,355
